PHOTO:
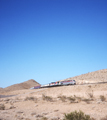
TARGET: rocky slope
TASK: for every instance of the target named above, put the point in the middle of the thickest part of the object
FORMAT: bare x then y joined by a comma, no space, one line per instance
91,77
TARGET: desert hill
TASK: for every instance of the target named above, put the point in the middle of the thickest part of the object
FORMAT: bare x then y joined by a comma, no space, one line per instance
91,77
1,89
25,85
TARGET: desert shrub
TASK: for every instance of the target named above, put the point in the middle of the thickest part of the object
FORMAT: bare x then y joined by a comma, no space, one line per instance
77,116
27,119
2,107
44,118
102,97
91,95
78,98
89,86
86,100
71,99
62,98
104,118
31,98
47,98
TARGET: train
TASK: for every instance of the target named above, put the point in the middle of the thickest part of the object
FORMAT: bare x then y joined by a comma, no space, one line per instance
54,84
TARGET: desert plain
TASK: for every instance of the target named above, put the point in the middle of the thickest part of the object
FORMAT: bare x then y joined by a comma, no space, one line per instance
54,102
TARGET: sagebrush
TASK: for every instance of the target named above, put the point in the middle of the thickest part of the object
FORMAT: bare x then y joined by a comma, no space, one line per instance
31,98
102,97
47,98
2,107
77,116
62,98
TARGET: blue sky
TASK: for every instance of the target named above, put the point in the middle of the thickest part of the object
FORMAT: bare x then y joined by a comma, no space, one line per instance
50,40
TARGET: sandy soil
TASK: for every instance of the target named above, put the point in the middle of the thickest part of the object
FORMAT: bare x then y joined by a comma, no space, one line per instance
53,103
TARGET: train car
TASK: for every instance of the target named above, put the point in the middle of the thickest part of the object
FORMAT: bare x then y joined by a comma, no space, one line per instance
37,87
43,86
54,83
68,82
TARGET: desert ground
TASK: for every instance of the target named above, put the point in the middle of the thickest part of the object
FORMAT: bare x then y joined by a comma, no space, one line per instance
19,102
52,103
